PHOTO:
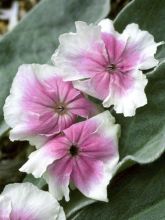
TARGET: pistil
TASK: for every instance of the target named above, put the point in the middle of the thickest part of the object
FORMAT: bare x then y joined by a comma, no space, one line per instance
111,68
60,108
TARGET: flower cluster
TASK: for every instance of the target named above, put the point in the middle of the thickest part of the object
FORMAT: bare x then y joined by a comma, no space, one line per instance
76,141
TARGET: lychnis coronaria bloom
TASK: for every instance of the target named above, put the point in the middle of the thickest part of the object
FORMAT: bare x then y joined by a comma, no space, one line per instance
107,64
24,201
85,155
41,104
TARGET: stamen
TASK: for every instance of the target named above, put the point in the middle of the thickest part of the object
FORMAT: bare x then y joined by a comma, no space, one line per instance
111,67
60,108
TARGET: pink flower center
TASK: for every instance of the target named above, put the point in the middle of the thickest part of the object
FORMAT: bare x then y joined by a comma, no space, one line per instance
60,108
74,150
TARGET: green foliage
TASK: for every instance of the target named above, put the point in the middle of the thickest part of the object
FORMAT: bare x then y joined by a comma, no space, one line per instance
39,182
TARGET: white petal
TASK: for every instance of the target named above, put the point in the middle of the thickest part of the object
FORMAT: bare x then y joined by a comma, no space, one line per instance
32,201
13,107
143,43
61,214
19,132
44,71
72,46
56,189
107,26
26,73
38,162
14,114
5,208
99,191
148,63
133,98
37,140
85,86
107,126
88,33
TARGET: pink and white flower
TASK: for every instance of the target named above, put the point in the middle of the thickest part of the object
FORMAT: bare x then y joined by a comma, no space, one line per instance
108,64
41,104
24,201
86,155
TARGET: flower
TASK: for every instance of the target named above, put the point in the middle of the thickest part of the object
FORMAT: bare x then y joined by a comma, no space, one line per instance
41,104
108,64
25,201
85,155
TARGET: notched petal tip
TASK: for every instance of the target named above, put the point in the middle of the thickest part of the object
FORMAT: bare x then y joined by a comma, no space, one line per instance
160,43
107,26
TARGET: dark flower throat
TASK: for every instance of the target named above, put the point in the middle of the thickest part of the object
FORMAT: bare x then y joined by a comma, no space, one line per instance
73,150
